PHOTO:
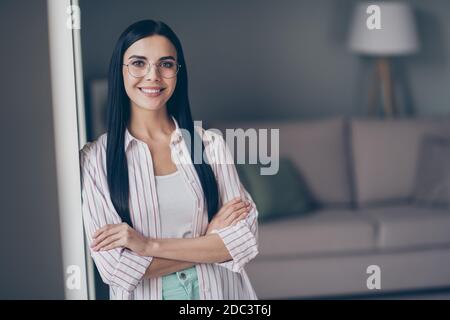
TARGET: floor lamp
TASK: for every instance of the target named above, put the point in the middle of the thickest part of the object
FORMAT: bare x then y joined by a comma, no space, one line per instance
396,36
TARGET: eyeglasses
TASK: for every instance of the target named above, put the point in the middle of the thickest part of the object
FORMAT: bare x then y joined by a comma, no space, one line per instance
140,68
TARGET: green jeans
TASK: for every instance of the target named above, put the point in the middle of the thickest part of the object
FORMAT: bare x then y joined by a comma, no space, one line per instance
181,285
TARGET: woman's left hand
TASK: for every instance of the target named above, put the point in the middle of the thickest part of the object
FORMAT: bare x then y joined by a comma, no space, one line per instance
113,236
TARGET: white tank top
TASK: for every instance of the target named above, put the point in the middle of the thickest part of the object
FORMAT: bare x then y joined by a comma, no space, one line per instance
176,205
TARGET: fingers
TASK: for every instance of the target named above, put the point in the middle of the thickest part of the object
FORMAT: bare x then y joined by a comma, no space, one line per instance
103,229
103,245
232,201
245,213
229,204
231,213
99,231
225,212
240,206
238,214
113,245
241,217
107,231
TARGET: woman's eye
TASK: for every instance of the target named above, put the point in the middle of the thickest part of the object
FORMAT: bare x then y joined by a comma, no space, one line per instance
167,64
138,63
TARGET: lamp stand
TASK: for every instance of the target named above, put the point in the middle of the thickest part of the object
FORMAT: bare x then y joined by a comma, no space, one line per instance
382,77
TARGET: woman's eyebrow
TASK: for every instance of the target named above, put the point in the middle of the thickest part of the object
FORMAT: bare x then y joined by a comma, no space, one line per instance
145,58
167,58
137,57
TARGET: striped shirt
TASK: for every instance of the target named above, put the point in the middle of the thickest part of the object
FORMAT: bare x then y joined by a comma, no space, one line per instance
122,269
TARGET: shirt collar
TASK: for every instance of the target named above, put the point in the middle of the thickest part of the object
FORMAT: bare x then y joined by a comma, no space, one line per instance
174,139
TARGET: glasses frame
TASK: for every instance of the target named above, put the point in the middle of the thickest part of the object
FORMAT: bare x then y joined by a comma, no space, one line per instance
149,67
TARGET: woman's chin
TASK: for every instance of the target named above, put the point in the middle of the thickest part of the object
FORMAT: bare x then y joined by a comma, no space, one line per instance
150,106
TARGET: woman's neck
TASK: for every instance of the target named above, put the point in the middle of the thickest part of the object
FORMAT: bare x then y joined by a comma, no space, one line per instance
150,125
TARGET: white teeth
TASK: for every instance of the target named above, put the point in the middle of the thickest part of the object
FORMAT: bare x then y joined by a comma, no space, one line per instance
150,90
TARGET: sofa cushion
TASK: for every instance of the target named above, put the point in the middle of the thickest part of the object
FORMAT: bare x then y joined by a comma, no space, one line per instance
406,226
321,232
385,156
276,196
432,186
317,148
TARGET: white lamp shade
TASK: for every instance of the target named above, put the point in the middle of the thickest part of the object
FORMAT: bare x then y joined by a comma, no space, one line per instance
397,36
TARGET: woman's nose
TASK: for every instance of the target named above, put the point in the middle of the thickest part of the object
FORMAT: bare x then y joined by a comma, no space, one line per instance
153,73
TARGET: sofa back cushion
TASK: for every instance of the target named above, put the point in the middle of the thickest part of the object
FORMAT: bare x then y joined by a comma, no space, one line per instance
432,184
317,148
385,157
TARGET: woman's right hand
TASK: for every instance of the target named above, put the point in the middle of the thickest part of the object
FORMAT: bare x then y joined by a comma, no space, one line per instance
230,214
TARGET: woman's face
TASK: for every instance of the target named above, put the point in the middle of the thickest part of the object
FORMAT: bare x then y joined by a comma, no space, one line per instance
152,91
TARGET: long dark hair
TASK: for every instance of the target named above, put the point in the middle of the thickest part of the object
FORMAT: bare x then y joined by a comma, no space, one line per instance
118,116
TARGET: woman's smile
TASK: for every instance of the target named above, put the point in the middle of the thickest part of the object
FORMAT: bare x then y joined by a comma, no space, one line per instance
151,91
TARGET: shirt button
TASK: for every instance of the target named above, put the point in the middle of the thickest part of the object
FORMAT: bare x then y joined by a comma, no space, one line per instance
182,275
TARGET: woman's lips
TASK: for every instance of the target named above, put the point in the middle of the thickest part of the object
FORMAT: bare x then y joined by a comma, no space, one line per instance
152,92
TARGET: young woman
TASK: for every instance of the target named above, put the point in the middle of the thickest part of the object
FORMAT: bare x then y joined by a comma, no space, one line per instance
160,225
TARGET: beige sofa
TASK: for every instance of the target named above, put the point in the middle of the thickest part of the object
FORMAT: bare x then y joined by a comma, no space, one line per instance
362,174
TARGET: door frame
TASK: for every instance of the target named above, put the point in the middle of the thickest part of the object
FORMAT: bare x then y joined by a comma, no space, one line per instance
70,136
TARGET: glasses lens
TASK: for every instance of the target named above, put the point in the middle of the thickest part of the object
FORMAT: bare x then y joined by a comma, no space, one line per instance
138,68
168,69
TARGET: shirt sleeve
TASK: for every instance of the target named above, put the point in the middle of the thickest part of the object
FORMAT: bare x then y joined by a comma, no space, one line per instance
241,240
118,267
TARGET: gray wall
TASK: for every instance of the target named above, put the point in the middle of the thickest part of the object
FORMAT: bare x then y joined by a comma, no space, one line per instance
235,51
30,261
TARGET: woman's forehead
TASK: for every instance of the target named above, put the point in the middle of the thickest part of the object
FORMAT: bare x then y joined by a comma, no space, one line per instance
152,48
